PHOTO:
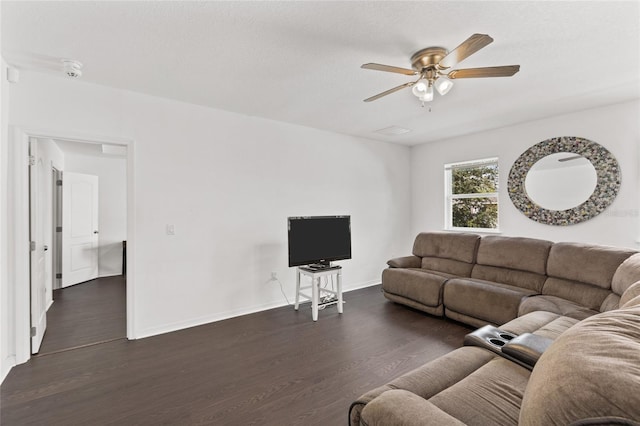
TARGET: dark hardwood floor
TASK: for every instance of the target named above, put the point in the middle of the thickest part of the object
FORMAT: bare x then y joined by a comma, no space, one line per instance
87,313
275,367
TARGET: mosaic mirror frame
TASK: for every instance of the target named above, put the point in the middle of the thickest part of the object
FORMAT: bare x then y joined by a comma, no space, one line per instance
607,186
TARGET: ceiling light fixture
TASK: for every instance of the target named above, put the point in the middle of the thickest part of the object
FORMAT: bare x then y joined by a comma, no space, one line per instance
423,89
433,66
443,85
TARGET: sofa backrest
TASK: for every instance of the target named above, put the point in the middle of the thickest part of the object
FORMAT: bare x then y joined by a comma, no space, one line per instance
453,253
583,273
515,261
631,296
626,274
589,372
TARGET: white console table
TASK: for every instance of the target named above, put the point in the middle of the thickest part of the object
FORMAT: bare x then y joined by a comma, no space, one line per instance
316,289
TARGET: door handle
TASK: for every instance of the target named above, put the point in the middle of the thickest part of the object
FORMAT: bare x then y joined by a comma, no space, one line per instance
95,232
46,248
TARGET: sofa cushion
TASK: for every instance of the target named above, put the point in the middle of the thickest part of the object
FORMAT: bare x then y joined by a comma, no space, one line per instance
589,296
590,264
586,295
453,253
437,311
613,301
401,407
469,385
430,378
419,285
492,302
522,279
454,267
447,245
541,323
523,254
555,304
516,261
405,262
626,274
630,293
592,370
632,303
491,395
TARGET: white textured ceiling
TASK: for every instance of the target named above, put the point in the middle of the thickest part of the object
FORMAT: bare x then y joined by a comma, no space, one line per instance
299,62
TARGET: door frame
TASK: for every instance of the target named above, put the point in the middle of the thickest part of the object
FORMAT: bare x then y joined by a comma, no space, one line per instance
37,219
56,222
19,198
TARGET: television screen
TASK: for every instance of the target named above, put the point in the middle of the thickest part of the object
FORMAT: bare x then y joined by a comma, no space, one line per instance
319,239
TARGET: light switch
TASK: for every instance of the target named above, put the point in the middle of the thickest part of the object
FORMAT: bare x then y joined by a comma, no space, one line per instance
171,230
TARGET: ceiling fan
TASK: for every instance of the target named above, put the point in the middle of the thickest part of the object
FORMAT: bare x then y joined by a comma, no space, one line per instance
432,65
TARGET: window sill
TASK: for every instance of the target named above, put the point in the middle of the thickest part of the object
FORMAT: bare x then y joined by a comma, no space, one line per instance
477,230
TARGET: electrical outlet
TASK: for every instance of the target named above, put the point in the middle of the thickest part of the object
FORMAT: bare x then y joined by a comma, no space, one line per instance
274,276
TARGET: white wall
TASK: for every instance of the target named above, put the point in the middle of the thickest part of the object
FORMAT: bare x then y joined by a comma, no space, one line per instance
615,127
7,313
112,205
227,183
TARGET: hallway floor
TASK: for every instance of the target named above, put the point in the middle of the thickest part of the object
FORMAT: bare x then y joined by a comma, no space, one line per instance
85,314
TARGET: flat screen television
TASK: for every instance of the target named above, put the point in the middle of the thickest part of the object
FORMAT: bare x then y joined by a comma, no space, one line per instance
319,240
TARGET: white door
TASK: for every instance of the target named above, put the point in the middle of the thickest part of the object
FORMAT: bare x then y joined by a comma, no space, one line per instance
38,209
79,228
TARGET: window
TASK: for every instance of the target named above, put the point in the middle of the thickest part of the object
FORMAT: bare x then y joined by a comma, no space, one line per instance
471,191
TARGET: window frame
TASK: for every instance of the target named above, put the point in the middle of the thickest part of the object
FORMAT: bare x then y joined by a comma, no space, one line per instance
449,196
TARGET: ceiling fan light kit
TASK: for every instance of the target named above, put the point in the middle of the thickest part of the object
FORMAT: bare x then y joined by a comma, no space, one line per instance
443,85
431,65
423,90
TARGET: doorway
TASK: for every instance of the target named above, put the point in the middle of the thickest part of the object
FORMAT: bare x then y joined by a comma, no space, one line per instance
86,290
19,238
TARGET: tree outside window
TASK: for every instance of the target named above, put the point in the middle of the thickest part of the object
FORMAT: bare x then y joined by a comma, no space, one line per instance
472,195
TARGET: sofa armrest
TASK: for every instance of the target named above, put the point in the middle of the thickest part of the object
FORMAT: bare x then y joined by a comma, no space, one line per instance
355,410
401,407
405,262
527,348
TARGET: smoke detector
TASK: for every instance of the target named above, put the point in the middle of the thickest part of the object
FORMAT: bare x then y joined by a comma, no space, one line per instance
72,68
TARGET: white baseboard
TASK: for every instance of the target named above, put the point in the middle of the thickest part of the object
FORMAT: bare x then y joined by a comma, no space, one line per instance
181,325
361,285
220,316
108,275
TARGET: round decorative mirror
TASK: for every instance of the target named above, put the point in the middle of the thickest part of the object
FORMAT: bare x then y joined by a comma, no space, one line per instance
561,181
565,180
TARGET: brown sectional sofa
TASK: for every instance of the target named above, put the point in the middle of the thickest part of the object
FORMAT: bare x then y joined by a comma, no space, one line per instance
584,299
590,375
418,280
493,279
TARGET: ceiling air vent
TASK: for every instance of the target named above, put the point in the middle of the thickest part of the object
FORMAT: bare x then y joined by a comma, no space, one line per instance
393,131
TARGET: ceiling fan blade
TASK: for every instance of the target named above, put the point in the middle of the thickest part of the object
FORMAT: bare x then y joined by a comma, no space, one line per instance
389,68
466,49
503,71
390,91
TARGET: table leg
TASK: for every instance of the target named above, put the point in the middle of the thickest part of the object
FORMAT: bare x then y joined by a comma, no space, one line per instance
297,304
339,291
314,297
